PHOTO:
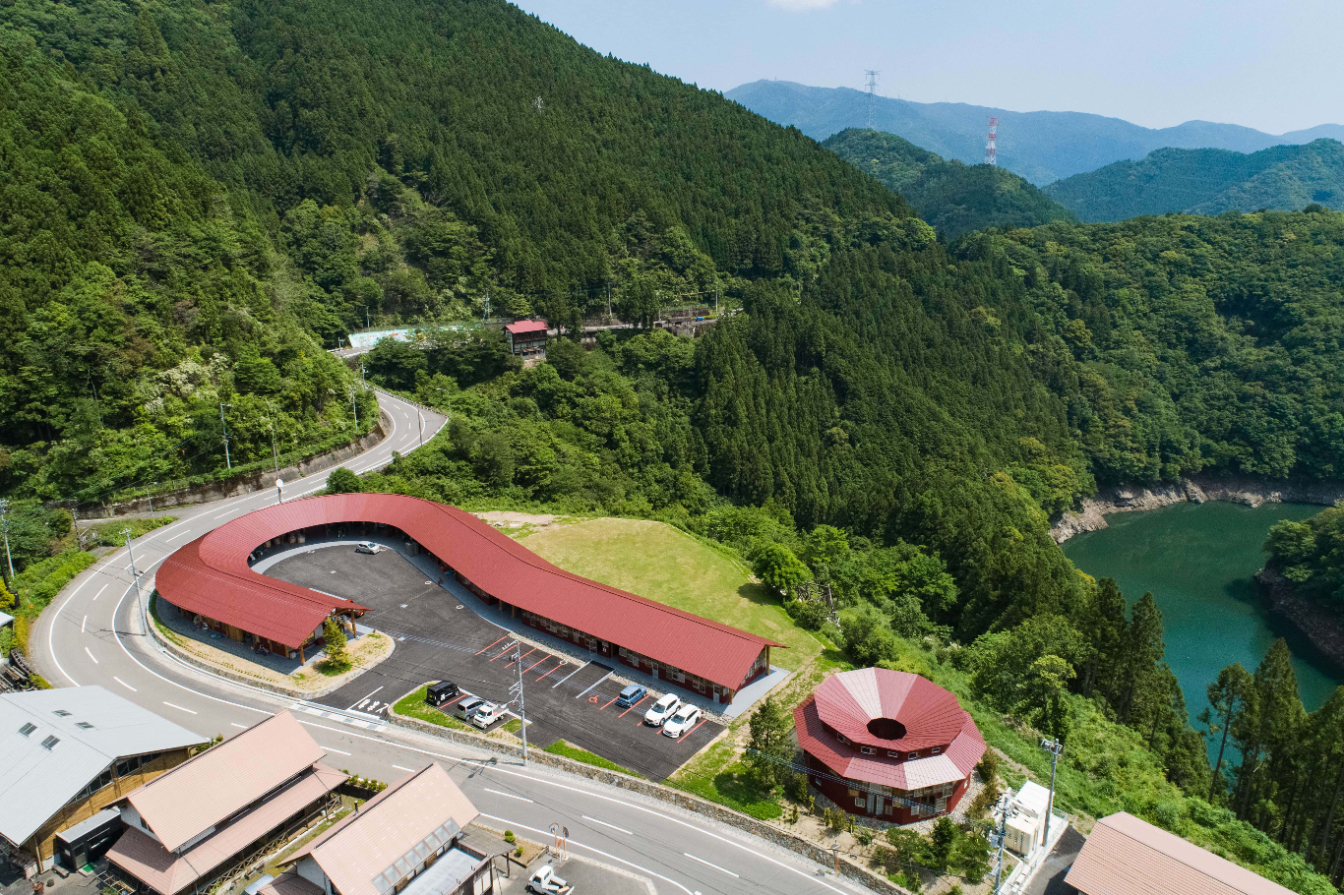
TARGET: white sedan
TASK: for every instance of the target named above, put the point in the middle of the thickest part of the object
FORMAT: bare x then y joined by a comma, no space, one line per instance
681,722
661,710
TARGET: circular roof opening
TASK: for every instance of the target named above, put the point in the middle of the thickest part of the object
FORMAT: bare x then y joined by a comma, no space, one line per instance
886,728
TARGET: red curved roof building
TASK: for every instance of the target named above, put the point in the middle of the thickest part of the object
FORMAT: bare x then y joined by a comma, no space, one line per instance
211,578
888,744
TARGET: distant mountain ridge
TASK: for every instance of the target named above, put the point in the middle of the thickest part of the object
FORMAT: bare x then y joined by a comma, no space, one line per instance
1041,146
1208,181
955,198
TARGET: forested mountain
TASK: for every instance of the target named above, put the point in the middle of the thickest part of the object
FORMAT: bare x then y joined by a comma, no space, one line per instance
954,197
199,195
1041,146
1208,181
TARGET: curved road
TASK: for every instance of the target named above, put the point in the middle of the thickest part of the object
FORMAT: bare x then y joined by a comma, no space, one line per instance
92,634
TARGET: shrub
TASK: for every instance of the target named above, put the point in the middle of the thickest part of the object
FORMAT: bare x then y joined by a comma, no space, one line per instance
509,837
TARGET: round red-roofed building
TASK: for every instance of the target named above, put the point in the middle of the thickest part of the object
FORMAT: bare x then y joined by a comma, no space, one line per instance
888,744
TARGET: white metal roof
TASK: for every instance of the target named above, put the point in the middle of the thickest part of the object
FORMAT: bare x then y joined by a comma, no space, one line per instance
5,619
1032,798
76,733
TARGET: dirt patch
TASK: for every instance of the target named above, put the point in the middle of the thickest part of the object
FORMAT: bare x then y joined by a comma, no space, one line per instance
507,518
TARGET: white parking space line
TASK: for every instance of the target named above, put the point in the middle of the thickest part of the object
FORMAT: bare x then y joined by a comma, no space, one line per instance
179,708
95,661
596,682
507,795
605,824
337,751
124,684
570,675
707,864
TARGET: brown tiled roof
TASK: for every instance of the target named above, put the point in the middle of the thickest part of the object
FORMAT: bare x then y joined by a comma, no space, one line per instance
1127,856
168,873
208,789
389,825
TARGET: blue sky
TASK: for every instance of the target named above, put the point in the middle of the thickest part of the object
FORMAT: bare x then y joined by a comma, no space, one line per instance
1268,65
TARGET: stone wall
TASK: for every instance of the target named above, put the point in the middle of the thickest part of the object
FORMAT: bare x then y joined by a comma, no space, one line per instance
235,487
751,825
1198,489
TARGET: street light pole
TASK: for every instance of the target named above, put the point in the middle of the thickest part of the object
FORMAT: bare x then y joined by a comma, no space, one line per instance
135,576
4,524
517,690
1055,748
354,409
421,414
227,459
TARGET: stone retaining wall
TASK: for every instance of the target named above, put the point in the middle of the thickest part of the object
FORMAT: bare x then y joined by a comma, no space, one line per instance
248,484
685,800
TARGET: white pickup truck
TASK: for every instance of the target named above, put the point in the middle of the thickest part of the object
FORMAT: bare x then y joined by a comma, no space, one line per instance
545,882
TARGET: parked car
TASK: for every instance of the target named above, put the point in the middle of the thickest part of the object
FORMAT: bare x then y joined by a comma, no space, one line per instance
681,722
467,707
442,692
661,710
545,882
487,714
369,547
631,695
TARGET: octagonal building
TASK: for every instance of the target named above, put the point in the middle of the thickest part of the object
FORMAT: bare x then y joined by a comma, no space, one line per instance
880,742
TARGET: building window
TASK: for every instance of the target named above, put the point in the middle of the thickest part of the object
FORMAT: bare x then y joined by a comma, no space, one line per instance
914,755
50,743
62,713
858,803
841,737
935,750
27,728
893,754
867,750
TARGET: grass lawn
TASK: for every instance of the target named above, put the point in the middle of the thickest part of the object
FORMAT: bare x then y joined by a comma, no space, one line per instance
560,747
659,562
413,705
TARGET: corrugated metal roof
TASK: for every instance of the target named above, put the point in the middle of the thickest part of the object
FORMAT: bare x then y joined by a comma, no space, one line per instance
38,781
388,826
168,872
213,572
1126,856
212,786
288,883
932,716
526,326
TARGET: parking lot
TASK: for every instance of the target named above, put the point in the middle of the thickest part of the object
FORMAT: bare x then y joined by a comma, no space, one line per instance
442,637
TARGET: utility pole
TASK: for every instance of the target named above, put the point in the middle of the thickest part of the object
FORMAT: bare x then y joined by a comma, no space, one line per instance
367,324
279,491
152,486
4,524
716,302
135,576
517,691
227,459
608,301
998,839
872,93
1055,748
353,408
275,455
421,414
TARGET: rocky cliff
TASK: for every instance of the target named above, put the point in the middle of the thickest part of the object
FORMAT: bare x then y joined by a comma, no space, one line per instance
1321,626
1251,492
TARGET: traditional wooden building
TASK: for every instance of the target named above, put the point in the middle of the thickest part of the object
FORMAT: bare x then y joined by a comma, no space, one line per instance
888,744
69,754
526,336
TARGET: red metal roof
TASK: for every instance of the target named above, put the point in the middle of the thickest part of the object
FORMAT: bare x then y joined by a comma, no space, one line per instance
847,702
211,576
526,326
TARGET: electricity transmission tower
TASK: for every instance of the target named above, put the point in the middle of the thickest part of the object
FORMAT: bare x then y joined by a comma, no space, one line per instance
991,151
872,93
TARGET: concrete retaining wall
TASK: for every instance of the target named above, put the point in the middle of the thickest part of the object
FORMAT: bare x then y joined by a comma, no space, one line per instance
760,828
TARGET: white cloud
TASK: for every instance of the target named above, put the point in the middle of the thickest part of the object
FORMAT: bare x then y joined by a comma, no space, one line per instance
803,4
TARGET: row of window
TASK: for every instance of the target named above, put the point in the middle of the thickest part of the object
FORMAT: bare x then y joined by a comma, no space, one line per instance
891,753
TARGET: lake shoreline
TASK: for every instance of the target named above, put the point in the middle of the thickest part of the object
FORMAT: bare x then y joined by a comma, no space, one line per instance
1322,628
1251,492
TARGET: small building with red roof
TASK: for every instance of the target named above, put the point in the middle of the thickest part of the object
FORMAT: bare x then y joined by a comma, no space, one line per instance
888,744
526,336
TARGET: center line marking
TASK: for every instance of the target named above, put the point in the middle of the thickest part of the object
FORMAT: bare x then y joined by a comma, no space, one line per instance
707,864
236,724
507,795
605,824
124,684
100,592
95,661
82,624
173,538
400,768
179,708
338,751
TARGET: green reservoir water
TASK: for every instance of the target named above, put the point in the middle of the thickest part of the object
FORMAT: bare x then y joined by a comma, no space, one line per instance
1198,560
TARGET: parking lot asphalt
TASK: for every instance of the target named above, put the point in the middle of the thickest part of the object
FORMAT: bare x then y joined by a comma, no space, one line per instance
440,637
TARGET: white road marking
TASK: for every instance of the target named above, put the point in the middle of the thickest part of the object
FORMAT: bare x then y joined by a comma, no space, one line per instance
517,826
99,594
95,661
226,513
179,708
337,751
400,768
236,724
82,624
124,684
570,675
507,795
175,537
605,824
596,682
707,864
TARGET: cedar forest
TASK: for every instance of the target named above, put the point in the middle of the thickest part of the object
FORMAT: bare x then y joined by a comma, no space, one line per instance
200,198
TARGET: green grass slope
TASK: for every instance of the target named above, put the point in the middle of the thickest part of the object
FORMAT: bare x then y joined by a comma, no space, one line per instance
954,197
1208,181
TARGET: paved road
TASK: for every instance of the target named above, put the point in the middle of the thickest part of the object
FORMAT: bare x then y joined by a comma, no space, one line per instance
92,634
